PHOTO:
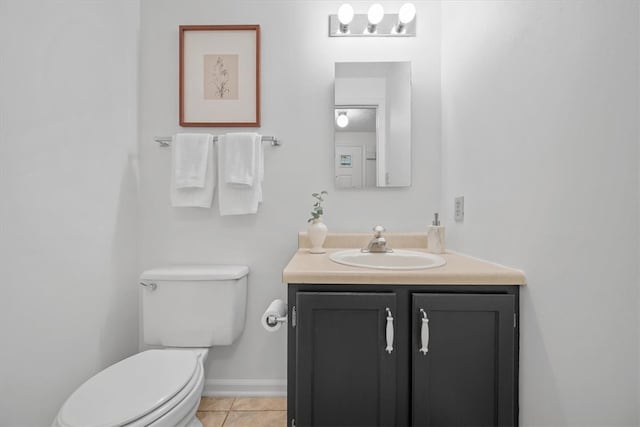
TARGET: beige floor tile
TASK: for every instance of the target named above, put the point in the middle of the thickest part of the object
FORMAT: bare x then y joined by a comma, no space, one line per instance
256,419
260,404
215,403
211,419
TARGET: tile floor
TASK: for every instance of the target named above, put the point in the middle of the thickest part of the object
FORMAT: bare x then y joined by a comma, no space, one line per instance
243,411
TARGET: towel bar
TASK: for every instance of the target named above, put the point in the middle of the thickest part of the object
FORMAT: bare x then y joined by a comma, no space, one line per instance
165,141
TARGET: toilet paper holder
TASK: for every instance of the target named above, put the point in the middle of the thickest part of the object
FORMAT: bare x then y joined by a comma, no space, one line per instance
275,315
273,320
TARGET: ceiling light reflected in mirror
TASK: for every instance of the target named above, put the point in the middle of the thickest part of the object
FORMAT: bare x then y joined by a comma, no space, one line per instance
342,120
356,119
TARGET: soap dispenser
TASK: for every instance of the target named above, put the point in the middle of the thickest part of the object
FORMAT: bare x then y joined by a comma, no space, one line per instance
435,236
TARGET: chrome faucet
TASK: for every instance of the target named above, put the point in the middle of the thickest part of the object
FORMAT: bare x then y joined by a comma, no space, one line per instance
378,244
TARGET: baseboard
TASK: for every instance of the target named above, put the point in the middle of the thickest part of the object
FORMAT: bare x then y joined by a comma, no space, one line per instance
242,388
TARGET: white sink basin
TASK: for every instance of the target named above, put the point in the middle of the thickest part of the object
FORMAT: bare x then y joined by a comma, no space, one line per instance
399,259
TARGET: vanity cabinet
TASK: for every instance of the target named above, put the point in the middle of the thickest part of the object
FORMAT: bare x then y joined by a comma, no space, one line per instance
402,355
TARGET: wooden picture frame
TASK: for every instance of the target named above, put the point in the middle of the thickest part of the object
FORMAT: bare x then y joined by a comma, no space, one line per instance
219,75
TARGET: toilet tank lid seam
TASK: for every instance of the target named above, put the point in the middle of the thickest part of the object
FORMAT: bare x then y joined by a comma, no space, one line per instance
196,272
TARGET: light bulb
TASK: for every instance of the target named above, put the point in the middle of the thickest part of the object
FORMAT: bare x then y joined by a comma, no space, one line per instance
342,120
345,14
407,13
375,14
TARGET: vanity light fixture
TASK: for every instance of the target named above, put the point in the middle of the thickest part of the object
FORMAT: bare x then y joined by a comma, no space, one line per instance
342,120
374,23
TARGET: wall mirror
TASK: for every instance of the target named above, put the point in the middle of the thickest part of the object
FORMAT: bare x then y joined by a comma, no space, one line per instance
372,124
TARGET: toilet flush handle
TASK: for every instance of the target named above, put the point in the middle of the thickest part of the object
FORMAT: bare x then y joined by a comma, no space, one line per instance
151,286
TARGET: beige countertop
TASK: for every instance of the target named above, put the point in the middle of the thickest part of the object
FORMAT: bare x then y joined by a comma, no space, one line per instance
460,269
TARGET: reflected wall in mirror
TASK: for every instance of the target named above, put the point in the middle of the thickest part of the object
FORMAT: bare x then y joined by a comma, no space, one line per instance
372,124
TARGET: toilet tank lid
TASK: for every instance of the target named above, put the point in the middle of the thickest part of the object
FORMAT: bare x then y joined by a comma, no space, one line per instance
196,272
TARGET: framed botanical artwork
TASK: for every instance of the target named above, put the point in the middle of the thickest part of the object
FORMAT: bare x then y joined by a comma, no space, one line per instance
220,75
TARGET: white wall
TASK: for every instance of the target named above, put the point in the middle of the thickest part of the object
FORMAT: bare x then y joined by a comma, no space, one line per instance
540,134
297,87
69,194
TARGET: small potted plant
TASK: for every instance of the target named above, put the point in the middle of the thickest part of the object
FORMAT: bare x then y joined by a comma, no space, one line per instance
317,230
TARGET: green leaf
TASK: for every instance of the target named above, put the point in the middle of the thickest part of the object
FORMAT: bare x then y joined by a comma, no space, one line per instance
317,210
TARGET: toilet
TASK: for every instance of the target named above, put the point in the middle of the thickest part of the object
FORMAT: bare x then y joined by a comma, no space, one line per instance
185,310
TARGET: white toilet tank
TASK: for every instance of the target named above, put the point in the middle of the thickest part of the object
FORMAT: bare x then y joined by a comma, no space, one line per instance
194,305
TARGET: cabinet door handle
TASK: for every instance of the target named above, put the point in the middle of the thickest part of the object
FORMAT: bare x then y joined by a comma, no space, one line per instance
389,348
424,332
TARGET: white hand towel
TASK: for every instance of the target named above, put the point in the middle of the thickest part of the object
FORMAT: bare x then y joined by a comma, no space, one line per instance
194,196
190,151
239,199
239,159
260,166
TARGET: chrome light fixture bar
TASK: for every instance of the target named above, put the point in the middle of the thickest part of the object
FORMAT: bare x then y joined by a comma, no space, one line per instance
374,23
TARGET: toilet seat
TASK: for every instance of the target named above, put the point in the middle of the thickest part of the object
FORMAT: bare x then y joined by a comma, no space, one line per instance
138,391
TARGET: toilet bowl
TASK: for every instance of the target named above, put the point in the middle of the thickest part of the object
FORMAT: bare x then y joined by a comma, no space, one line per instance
159,388
186,309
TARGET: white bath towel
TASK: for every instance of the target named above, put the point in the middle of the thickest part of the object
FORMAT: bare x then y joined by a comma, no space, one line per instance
195,196
239,199
240,156
190,151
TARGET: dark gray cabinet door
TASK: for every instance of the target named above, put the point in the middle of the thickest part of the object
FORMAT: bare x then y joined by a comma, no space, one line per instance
344,374
467,376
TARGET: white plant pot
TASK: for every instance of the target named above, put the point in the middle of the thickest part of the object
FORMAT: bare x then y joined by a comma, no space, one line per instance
317,232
